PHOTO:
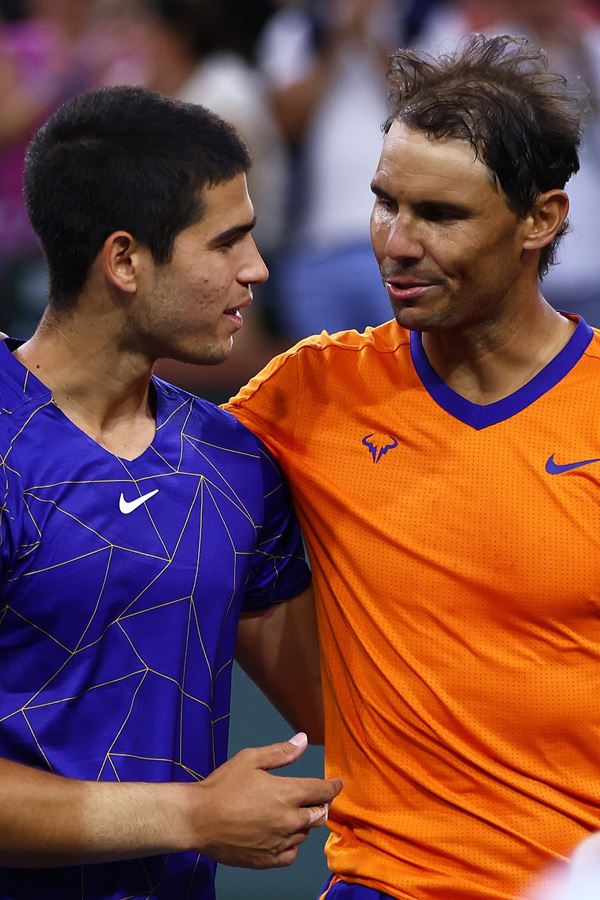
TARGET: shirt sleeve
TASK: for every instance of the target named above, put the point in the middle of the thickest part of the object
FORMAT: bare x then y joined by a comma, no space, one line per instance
268,405
279,569
15,539
5,522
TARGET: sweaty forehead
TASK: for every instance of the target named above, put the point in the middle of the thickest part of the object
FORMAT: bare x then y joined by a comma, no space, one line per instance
411,160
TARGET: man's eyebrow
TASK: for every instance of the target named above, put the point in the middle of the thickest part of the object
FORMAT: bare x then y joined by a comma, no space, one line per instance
447,206
458,209
379,191
232,233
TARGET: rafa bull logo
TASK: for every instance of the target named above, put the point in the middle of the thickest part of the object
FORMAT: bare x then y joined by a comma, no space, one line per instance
378,444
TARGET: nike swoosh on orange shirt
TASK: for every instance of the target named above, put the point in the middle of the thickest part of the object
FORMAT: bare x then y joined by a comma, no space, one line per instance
554,468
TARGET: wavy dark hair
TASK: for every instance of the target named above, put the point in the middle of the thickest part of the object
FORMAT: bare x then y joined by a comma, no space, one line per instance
524,122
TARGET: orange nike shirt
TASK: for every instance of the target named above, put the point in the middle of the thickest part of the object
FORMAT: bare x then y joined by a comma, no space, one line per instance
456,555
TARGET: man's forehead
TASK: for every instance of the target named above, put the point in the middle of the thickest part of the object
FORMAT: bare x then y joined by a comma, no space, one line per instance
409,154
227,198
402,138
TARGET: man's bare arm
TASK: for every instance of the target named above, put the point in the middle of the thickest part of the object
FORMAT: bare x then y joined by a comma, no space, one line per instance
279,650
240,814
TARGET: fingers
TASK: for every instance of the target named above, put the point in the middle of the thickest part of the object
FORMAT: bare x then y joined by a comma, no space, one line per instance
283,858
282,855
287,852
317,815
312,796
336,785
317,810
299,741
294,840
267,860
295,804
314,791
263,824
283,753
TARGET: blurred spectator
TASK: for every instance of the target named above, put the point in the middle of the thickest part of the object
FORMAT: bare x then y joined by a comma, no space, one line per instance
49,51
326,63
37,72
416,17
200,51
195,54
569,31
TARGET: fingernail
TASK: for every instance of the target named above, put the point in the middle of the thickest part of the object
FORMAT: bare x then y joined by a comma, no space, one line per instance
299,740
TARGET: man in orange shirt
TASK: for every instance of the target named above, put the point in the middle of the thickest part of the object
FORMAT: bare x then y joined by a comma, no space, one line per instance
446,471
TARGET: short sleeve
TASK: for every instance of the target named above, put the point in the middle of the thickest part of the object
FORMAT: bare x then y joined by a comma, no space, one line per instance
12,539
5,521
279,569
268,404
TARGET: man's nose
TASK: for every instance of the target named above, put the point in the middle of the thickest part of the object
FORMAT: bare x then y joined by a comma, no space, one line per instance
402,241
255,269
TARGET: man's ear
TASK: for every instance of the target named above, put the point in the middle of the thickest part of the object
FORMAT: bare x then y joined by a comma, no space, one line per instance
122,259
545,219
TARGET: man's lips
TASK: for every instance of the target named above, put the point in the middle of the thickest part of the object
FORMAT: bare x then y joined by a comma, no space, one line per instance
234,312
407,288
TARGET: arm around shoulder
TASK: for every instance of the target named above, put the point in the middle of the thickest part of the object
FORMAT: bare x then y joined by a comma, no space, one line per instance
279,650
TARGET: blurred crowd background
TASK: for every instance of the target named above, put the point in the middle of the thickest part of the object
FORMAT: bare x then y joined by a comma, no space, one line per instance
304,82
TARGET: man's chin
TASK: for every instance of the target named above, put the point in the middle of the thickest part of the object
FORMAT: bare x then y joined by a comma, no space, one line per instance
414,318
201,356
411,319
208,359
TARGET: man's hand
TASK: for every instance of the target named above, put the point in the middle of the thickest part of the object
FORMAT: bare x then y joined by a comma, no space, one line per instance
240,815
250,818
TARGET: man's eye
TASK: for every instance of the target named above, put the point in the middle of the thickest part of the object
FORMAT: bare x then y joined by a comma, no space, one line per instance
441,213
386,204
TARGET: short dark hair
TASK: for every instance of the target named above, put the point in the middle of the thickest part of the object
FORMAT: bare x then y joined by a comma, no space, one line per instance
523,122
122,158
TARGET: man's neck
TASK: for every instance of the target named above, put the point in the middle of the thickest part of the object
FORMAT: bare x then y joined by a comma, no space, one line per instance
103,390
489,362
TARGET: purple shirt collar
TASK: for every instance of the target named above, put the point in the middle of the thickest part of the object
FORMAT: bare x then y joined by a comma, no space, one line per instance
478,416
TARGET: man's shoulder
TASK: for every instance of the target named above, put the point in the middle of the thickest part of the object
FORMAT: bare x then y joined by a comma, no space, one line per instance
387,337
336,349
206,422
318,370
18,403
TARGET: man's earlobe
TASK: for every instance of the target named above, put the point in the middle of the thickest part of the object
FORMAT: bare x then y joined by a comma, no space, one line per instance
546,219
120,261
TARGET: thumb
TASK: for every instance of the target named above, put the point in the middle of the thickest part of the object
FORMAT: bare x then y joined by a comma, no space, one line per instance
284,753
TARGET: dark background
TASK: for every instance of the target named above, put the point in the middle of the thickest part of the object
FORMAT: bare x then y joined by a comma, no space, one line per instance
254,722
